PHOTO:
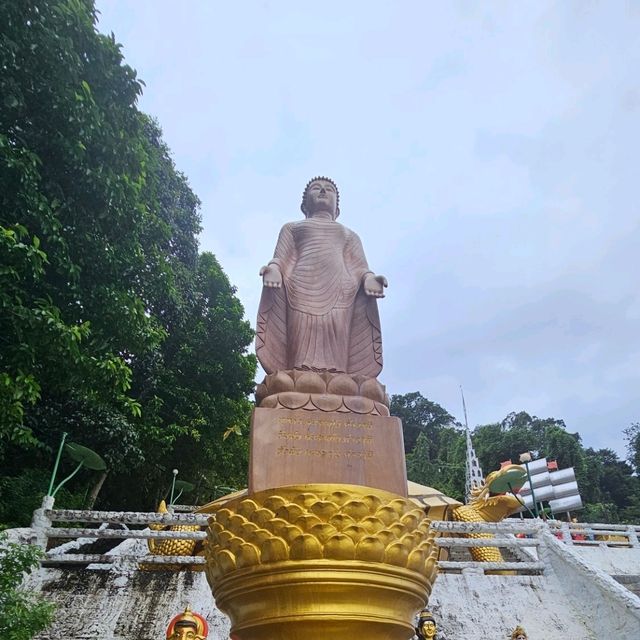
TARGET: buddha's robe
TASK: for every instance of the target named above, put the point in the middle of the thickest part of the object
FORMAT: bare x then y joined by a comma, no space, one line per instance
321,318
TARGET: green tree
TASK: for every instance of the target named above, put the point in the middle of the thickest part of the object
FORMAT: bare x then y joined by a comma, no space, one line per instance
440,464
434,444
520,432
113,327
610,487
506,440
418,415
199,386
72,168
617,482
632,436
609,490
22,614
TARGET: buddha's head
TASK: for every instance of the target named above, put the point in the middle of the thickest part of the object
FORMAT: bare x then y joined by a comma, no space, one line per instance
187,626
321,198
519,634
426,626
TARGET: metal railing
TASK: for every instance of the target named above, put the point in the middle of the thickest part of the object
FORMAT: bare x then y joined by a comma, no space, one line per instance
504,538
81,536
523,537
590,534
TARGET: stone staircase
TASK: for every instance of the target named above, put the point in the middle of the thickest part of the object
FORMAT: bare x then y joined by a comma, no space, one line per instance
458,554
630,582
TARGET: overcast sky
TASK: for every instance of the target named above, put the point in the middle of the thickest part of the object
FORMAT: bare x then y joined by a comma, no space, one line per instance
486,154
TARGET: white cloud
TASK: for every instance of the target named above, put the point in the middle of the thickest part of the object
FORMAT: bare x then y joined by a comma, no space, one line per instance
486,155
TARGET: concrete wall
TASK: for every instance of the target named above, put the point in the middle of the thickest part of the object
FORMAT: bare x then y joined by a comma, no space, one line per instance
620,561
475,606
124,603
608,608
128,605
572,601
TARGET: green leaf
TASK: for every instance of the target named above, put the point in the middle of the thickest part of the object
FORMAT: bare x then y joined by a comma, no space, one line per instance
86,456
184,486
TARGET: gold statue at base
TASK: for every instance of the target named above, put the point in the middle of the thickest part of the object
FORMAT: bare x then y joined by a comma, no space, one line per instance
173,547
427,628
519,634
188,626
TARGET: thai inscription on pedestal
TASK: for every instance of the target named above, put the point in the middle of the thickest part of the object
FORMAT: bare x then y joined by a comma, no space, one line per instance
300,447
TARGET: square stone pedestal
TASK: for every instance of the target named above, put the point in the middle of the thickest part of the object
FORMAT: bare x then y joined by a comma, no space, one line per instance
293,447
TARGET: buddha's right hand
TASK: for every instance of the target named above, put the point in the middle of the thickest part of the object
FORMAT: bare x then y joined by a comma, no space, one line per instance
271,276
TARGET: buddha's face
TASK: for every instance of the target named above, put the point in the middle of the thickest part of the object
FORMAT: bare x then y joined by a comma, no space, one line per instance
321,196
185,631
428,629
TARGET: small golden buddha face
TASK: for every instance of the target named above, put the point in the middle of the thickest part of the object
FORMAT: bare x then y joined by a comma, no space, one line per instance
428,629
185,631
519,634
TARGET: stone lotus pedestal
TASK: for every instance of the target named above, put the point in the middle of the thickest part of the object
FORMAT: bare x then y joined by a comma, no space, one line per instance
319,561
323,391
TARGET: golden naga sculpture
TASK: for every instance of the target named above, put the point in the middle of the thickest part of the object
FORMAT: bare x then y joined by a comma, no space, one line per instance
304,561
519,634
492,503
188,625
427,628
173,547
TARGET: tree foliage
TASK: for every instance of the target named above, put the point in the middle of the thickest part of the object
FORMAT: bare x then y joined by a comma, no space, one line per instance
609,487
113,327
418,415
22,614
632,436
439,463
433,442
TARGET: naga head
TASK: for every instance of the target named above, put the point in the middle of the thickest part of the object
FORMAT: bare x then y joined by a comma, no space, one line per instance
496,498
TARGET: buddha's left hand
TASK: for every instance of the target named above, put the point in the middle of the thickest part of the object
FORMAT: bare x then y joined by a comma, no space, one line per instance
374,285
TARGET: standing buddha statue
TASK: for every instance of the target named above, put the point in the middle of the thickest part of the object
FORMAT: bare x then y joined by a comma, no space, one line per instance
318,308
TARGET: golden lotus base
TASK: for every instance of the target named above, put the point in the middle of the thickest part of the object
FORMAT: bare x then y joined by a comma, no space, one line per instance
314,562
322,599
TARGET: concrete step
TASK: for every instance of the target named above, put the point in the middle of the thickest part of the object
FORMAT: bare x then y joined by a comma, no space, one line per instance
630,582
460,554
